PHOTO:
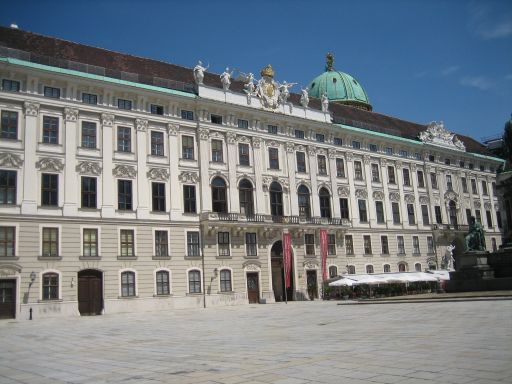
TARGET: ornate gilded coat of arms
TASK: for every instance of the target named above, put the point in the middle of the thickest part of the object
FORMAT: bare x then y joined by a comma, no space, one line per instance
268,89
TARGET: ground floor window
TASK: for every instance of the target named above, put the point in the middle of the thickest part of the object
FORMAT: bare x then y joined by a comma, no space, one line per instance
128,284
225,280
162,283
50,286
194,281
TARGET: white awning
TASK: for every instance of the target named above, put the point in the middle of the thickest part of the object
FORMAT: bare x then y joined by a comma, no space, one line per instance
383,278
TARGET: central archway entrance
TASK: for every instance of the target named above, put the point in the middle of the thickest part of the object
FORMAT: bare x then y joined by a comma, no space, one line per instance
276,260
90,292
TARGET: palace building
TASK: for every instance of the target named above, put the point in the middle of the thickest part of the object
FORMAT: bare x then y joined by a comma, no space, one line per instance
129,184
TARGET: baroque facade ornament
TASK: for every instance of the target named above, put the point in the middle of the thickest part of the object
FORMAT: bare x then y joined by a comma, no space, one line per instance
204,134
378,195
188,177
10,160
343,191
409,198
141,125
31,109
256,142
71,114
437,135
231,137
122,170
424,200
366,159
173,129
89,168
361,193
243,139
161,174
478,205
487,205
107,119
290,147
332,154
451,195
50,164
311,150
394,196
309,264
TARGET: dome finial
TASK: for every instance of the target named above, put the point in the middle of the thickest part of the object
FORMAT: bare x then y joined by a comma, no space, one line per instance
329,60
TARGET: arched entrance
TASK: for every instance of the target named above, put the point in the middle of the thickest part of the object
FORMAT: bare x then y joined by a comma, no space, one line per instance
276,260
90,292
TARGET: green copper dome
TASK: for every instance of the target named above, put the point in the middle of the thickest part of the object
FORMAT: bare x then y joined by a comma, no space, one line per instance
340,87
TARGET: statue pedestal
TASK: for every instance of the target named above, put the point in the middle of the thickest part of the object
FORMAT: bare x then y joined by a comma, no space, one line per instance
472,265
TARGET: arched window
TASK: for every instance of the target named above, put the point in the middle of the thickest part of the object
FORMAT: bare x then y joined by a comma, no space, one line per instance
219,201
162,283
128,284
351,269
325,202
369,269
417,267
303,197
387,268
246,197
333,271
194,281
50,286
402,267
452,207
494,246
225,280
276,199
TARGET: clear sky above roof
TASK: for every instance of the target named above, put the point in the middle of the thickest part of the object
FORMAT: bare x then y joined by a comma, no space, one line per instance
417,60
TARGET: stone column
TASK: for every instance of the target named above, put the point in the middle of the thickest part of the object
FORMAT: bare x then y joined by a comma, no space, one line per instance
336,212
143,187
370,208
387,202
417,206
176,207
258,169
232,161
29,199
108,181
290,159
354,208
400,181
313,170
72,182
204,164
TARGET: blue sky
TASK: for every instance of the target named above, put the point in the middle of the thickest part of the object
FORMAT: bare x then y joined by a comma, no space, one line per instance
417,60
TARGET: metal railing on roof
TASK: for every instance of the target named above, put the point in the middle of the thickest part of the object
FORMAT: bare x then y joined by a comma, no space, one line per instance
96,70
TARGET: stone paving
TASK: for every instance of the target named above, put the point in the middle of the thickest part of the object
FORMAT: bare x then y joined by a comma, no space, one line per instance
302,342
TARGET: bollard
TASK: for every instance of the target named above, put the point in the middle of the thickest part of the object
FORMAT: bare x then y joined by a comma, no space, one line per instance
30,318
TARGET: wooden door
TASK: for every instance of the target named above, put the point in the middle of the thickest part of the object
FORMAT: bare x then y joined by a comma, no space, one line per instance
253,288
312,285
7,299
90,293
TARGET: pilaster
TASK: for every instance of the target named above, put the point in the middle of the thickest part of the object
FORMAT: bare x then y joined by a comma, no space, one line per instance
108,181
143,188
72,183
29,199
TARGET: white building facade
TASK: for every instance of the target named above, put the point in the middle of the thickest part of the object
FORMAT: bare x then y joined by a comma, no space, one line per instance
120,196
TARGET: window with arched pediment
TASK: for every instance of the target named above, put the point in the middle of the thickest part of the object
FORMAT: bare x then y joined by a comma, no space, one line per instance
303,196
246,192
219,196
276,199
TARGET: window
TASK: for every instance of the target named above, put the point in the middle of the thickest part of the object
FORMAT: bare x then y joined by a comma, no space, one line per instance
484,188
216,119
192,244
407,177
489,218
7,187
340,168
50,286
494,246
225,280
49,189
356,144
187,147
395,208
331,244
50,242
410,214
272,129
338,141
349,245
89,98
391,175
478,216
88,134
299,134
384,245
358,170
421,180
468,215
124,104
333,271
50,130
303,197
309,242
301,161
379,208
388,151
498,219
194,281
430,245
187,115
10,85
424,215
161,243
128,284
52,92
482,168
276,199
90,242
245,192
387,268
402,267
363,216
403,153
375,173
320,137
9,128
223,242
464,182
344,211
369,269
447,161
189,198
433,180
461,164
219,199
243,154
325,203
373,147
124,195
449,184
217,155
367,242
157,109
417,156
157,143
493,185
351,269
251,244
124,139
273,158
400,245
415,245
162,283
127,242
244,124
417,267
322,165
437,210
158,196
7,241
474,189
471,165
89,189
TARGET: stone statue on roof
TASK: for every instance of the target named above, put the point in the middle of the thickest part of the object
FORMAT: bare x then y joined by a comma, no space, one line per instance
304,98
284,88
199,72
225,78
325,102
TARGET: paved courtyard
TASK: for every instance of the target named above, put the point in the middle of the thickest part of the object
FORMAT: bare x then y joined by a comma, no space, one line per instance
303,342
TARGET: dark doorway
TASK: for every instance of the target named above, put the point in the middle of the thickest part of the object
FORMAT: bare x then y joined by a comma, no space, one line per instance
7,299
276,259
312,284
90,292
253,288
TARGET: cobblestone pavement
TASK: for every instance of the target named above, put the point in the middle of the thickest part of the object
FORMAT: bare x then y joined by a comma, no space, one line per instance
303,342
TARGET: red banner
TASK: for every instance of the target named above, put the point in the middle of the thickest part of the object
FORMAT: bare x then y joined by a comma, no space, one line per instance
323,252
287,258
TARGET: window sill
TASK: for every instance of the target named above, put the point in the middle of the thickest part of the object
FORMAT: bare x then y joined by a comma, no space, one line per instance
161,257
310,256
161,213
252,257
89,149
49,258
225,292
52,207
368,255
223,257
85,209
350,255
9,258
165,296
384,255
195,294
52,144
91,258
332,255
50,301
10,139
128,297
401,254
126,257
416,254
198,257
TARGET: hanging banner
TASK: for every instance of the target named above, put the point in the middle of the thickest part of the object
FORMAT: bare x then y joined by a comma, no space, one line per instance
323,252
287,258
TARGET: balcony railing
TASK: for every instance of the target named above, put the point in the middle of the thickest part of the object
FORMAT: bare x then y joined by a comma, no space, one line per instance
276,219
453,227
